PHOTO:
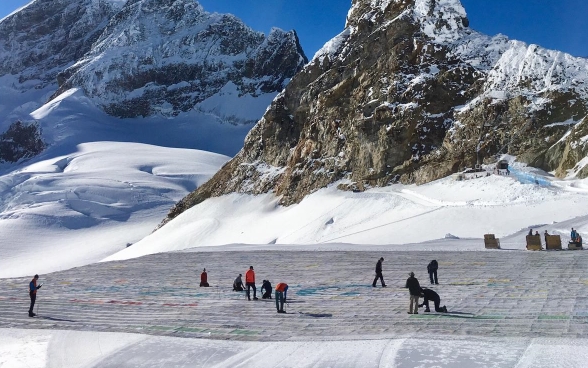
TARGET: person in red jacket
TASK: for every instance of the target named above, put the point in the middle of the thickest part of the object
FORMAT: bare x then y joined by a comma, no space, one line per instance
281,291
250,283
204,279
33,294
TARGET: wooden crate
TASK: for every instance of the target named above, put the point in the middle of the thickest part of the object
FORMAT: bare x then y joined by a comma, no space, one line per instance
552,242
574,246
534,242
490,242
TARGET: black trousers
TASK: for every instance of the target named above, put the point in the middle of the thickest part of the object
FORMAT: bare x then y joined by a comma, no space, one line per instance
436,301
381,277
431,274
33,299
251,285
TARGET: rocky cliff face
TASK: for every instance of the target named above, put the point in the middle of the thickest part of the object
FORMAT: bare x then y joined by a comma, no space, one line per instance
409,93
47,36
170,56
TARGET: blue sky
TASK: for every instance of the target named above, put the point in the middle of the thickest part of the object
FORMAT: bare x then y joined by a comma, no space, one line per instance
555,24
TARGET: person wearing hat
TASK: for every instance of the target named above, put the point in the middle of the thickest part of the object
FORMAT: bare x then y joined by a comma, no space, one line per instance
204,279
33,294
238,284
415,292
266,290
379,273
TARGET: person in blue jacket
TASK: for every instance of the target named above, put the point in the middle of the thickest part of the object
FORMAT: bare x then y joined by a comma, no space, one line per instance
33,294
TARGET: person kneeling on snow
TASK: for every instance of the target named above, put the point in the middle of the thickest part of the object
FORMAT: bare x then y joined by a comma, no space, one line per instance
266,290
281,291
204,279
431,295
238,284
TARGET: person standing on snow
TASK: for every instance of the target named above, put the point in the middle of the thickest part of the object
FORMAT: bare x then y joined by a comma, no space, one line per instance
238,284
379,273
33,294
431,295
250,283
204,279
281,291
415,292
266,290
432,270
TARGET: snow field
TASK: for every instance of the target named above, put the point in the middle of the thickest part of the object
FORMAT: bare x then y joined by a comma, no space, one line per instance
42,348
511,308
79,208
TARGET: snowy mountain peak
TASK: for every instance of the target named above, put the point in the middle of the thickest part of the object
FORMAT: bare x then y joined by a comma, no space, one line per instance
442,20
170,56
409,93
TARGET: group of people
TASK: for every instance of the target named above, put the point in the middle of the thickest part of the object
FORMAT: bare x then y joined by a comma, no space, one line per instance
281,288
574,236
415,289
266,289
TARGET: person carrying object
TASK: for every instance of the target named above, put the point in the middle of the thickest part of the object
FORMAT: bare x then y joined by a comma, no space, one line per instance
281,291
33,294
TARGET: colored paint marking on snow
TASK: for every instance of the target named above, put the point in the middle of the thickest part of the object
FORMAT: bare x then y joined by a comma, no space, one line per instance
240,331
123,302
553,317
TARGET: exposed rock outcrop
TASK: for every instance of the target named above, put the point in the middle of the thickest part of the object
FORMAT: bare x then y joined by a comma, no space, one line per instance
47,36
408,93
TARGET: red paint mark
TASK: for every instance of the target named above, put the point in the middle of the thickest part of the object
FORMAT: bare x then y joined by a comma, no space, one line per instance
180,305
124,302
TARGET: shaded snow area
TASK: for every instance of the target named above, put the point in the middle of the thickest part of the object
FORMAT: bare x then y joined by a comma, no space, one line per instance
394,217
507,309
78,208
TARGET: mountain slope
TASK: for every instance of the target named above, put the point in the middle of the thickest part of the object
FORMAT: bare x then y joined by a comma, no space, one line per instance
408,93
170,56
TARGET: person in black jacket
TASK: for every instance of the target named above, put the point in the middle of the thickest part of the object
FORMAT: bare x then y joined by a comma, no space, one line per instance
266,290
431,295
432,269
415,292
379,273
238,284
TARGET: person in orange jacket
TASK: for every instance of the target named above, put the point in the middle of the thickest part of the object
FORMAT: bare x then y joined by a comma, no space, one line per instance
281,291
250,283
204,279
33,294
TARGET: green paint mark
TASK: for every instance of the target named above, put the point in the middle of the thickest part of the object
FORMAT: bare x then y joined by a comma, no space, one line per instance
553,317
489,317
425,316
190,329
244,332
